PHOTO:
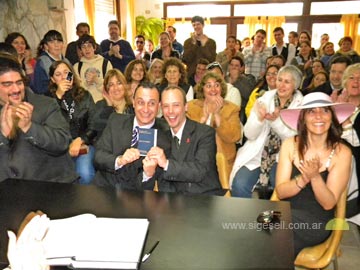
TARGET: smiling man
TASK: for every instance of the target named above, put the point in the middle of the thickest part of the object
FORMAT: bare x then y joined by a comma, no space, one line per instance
191,166
255,56
92,67
117,49
34,136
117,157
287,50
198,46
333,86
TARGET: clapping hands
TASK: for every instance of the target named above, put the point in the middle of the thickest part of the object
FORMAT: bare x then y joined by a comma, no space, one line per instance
114,50
16,116
310,168
263,114
212,107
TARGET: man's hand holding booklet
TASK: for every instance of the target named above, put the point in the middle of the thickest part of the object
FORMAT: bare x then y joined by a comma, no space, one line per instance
147,139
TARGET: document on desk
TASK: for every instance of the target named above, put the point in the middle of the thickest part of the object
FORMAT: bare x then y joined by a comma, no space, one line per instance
87,241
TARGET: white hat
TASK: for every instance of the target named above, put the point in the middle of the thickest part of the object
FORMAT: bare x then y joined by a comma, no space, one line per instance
316,100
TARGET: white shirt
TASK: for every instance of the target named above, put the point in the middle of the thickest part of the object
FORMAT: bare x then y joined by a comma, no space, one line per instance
179,135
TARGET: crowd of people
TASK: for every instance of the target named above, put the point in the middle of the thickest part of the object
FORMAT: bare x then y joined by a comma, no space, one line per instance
284,117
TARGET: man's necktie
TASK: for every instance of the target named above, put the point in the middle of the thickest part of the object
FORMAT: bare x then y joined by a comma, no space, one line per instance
135,136
177,142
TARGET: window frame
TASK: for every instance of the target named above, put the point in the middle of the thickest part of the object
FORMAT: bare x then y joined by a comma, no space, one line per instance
304,21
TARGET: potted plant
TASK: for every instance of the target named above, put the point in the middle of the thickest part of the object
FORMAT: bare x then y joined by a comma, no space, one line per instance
150,28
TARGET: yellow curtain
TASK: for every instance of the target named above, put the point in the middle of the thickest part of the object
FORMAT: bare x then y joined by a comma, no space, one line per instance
89,6
351,28
130,21
267,23
169,22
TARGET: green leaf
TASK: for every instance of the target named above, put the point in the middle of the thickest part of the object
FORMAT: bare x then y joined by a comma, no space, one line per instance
149,27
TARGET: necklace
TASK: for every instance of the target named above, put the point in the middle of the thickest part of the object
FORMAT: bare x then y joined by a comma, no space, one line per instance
70,109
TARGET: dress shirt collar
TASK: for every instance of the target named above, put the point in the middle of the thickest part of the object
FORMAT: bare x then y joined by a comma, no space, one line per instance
180,131
136,124
284,45
334,88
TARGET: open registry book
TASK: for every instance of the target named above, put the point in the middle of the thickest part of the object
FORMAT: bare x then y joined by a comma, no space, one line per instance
87,241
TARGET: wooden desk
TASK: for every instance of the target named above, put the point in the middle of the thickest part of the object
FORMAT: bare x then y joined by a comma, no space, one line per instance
190,228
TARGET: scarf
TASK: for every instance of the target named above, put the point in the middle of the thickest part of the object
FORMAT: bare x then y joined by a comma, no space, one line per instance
271,147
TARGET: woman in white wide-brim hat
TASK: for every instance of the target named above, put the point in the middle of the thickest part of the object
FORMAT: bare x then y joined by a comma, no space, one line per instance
314,166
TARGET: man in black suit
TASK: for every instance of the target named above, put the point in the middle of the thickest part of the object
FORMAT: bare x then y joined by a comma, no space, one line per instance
333,86
191,166
117,157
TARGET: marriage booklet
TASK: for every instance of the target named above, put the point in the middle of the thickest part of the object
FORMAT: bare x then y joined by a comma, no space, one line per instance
87,241
147,139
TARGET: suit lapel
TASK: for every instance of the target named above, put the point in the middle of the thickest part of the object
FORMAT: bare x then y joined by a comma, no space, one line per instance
185,139
128,129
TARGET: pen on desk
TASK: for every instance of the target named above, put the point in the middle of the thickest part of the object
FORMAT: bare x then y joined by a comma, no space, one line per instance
147,255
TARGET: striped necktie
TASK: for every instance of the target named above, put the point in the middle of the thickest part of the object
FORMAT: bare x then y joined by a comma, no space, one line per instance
135,136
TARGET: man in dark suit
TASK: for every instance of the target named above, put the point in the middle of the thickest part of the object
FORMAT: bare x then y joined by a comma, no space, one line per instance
34,136
117,157
191,166
333,86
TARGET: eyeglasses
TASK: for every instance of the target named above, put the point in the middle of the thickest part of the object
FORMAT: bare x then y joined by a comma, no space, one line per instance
269,216
139,42
271,74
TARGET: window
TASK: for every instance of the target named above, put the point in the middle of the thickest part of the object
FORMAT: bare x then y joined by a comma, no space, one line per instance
335,7
104,12
323,17
184,29
204,10
273,9
335,31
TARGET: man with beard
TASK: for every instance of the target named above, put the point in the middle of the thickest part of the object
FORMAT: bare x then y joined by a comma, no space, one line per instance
116,49
34,137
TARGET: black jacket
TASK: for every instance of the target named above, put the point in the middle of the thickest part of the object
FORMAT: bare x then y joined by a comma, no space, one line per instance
115,140
42,153
81,122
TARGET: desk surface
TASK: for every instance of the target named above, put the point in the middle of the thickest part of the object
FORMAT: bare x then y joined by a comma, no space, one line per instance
191,229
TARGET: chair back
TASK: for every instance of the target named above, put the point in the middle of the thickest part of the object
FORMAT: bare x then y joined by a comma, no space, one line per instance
274,196
221,164
320,256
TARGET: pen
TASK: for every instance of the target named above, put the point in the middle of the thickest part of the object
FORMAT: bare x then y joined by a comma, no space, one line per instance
147,255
